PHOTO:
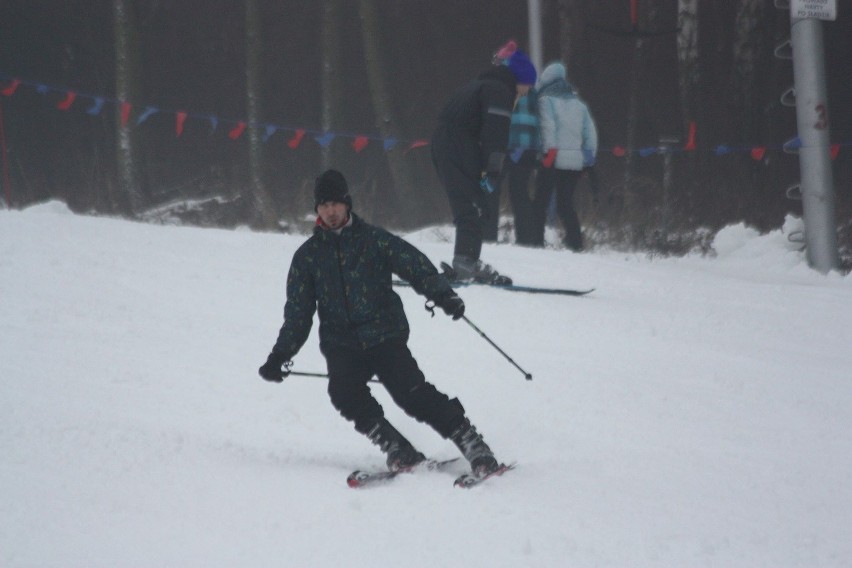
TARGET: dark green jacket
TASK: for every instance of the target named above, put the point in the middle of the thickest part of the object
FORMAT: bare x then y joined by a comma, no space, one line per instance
348,279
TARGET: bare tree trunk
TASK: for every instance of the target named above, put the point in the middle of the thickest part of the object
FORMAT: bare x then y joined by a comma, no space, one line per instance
687,55
572,30
264,205
633,116
331,73
380,94
689,77
748,44
127,81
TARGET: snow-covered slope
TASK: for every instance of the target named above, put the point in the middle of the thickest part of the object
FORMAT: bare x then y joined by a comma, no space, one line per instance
690,412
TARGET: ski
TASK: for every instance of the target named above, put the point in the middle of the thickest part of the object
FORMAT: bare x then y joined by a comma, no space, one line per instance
360,478
468,480
449,273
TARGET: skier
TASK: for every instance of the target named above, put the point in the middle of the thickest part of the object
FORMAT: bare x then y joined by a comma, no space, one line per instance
568,134
468,149
344,271
525,156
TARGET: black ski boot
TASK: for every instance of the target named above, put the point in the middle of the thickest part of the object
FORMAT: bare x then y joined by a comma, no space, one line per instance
467,268
401,454
474,449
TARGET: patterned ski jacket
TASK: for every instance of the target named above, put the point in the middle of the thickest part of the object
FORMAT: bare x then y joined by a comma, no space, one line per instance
347,278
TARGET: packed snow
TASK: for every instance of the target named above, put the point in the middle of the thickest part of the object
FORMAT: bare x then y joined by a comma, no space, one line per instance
691,411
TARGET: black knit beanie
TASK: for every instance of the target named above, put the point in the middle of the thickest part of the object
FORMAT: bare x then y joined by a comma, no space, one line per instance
332,186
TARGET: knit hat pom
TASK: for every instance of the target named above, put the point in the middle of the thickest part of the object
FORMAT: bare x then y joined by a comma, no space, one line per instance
505,52
522,68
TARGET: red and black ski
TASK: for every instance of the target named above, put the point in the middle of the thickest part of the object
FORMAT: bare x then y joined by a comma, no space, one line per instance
468,480
359,478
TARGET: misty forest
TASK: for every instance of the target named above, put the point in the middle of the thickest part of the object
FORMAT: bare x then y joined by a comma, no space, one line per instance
222,113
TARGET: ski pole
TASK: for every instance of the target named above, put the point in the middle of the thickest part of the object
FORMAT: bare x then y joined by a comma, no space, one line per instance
319,375
527,376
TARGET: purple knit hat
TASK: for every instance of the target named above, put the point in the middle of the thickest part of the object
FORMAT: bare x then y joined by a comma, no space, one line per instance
522,68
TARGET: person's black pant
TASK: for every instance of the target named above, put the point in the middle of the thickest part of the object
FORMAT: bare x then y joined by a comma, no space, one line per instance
350,370
454,163
522,205
564,182
518,174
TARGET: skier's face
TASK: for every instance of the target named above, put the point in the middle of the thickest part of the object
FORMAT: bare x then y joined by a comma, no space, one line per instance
333,213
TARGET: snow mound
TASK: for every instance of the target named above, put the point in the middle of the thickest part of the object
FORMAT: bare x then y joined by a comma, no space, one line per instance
740,242
53,207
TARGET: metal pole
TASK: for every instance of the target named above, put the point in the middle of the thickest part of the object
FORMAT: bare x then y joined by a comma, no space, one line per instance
812,118
534,17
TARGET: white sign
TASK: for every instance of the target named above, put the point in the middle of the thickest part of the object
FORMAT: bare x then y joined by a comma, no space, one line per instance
820,9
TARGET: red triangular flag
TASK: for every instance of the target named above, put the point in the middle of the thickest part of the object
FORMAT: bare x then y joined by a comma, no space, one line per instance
835,150
125,112
10,90
416,144
68,101
758,152
237,131
690,140
549,158
180,119
360,143
294,142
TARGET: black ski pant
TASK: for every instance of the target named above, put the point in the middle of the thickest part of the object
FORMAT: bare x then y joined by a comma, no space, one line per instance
564,182
518,175
350,369
522,204
454,164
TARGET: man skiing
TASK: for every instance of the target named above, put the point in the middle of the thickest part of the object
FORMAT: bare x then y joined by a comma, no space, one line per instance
468,149
344,272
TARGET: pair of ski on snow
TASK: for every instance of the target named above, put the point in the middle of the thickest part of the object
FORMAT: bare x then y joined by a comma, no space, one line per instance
456,282
359,478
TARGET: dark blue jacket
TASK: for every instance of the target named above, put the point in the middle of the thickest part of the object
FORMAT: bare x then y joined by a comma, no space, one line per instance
473,127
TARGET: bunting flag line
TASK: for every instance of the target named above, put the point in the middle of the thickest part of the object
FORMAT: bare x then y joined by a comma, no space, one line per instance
10,90
180,118
11,86
96,108
690,138
125,112
360,143
69,100
146,114
237,131
294,142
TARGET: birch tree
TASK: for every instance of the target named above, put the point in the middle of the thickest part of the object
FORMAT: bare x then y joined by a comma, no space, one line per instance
127,86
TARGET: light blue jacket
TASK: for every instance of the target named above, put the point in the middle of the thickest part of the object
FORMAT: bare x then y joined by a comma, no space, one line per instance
565,121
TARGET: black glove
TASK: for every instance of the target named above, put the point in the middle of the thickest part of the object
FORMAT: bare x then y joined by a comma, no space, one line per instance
452,305
272,370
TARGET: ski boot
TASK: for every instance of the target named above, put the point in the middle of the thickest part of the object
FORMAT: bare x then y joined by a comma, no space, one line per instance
467,268
401,454
475,450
